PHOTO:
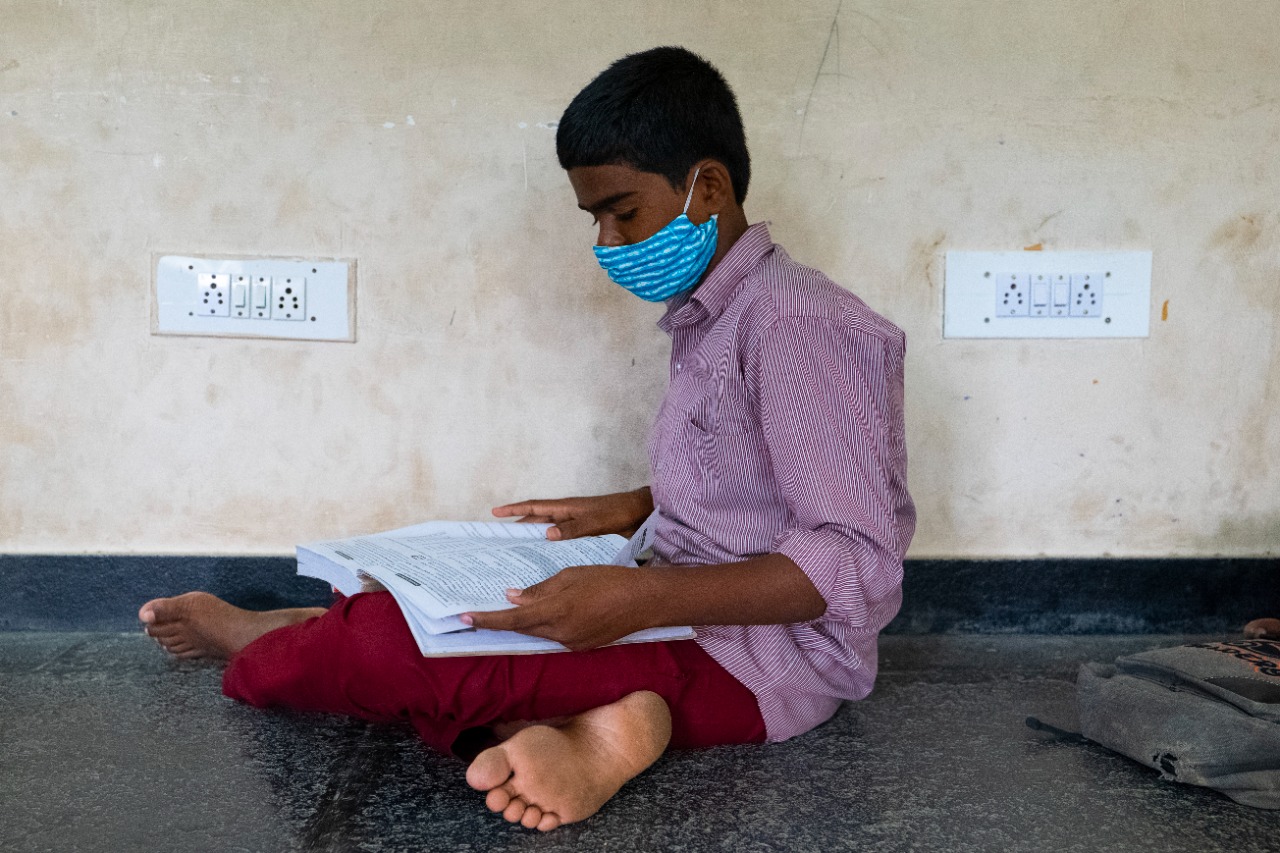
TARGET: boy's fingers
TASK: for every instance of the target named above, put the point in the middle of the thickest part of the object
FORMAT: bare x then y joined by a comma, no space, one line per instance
571,528
522,508
496,620
548,509
531,593
517,619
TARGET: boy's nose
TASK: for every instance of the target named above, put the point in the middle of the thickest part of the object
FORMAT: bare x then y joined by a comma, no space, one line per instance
609,237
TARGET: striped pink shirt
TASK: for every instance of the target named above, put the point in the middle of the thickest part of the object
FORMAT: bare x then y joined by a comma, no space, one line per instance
782,432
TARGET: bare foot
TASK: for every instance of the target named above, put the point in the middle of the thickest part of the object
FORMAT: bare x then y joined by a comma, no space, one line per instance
545,776
200,625
1263,629
507,730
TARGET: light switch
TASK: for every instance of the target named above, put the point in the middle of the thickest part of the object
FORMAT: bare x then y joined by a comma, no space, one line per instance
261,290
1061,295
1061,290
1039,296
240,295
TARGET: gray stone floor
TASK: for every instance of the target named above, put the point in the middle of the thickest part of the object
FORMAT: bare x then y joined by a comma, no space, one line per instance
107,746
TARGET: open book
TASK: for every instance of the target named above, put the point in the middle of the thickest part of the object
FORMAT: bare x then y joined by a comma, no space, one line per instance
440,569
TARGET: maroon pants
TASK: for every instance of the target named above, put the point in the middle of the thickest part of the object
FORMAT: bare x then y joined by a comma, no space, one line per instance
359,659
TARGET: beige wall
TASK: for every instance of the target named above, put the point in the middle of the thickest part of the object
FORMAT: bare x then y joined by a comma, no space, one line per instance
495,361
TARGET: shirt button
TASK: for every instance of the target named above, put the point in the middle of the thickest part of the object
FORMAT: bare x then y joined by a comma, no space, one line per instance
679,367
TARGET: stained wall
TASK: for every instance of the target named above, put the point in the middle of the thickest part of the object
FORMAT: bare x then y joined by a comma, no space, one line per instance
494,361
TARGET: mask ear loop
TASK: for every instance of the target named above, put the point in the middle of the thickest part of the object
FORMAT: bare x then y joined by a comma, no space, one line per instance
689,197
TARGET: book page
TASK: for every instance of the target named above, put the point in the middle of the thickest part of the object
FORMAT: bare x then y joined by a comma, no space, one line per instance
342,578
439,569
478,529
640,541
345,577
487,642
446,575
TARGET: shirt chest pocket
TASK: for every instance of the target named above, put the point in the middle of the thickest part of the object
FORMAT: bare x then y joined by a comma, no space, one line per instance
717,402
723,440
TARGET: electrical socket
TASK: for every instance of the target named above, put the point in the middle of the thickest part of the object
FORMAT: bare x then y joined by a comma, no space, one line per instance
1013,298
289,298
1086,294
215,294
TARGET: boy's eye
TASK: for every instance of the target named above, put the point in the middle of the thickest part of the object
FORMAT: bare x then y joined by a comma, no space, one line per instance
619,217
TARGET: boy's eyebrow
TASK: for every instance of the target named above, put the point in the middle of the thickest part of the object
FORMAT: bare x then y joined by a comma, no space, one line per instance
608,201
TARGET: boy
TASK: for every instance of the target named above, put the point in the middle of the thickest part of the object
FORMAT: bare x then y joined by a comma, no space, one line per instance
778,475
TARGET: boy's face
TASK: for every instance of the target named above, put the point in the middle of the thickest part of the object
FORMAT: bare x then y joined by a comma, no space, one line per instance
628,205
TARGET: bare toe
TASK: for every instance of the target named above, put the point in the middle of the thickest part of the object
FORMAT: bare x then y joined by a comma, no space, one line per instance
497,799
161,610
532,817
490,769
514,810
160,632
550,820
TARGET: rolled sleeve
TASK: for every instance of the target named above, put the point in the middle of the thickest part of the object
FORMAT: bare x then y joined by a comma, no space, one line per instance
830,402
850,577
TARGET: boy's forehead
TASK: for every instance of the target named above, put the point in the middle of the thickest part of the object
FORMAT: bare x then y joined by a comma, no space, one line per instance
596,184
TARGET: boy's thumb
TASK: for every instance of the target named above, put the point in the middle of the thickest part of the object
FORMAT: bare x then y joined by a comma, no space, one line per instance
571,529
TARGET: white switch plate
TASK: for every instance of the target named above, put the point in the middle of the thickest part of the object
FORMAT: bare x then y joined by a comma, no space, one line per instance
324,290
1109,295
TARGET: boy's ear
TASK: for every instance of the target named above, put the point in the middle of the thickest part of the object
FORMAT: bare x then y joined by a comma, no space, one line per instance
715,187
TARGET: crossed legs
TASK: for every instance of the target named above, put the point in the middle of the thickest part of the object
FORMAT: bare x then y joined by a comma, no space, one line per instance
541,776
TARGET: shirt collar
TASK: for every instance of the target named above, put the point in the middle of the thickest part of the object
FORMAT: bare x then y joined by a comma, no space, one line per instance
711,298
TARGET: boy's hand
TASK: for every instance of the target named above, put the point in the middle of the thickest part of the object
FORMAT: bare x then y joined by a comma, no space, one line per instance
622,513
581,607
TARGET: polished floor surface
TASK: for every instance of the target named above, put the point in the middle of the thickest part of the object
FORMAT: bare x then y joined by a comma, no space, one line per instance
107,746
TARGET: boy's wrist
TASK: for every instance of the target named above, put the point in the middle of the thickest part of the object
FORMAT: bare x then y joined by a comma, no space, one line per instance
630,509
646,600
642,500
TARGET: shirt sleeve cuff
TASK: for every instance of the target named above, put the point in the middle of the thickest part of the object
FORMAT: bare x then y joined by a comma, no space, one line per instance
848,574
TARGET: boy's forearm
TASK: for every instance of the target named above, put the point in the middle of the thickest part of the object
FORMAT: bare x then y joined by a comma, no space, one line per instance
584,607
642,500
767,590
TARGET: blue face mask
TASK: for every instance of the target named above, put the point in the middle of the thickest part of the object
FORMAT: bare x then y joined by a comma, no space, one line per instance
669,262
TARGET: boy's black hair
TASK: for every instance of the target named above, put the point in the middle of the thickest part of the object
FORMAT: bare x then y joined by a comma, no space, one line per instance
658,111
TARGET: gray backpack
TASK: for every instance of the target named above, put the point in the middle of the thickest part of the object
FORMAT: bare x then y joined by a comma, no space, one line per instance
1205,714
